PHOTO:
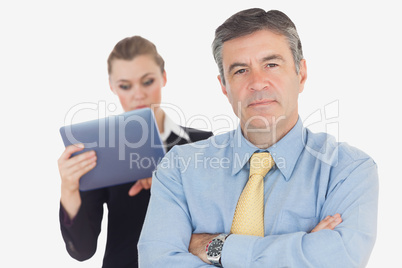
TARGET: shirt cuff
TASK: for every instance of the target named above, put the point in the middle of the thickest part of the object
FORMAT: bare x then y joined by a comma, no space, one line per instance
234,253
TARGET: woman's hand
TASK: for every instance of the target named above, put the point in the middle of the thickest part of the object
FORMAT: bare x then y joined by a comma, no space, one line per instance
71,169
139,185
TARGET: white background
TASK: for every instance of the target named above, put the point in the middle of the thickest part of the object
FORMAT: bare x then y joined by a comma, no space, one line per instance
53,57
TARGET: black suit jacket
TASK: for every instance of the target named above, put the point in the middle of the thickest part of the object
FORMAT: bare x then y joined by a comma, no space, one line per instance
125,218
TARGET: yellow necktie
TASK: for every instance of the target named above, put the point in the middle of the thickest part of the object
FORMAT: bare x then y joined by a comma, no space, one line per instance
249,215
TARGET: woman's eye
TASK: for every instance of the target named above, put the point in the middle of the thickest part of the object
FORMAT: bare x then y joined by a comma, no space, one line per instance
125,87
149,82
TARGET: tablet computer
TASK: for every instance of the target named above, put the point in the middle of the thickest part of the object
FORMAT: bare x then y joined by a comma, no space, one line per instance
128,147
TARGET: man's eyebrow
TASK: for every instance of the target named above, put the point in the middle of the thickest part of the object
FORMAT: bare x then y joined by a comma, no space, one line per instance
267,58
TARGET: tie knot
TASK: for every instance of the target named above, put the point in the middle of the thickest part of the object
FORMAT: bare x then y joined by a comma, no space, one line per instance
261,163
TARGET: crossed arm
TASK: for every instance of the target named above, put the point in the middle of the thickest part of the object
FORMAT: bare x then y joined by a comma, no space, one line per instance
199,242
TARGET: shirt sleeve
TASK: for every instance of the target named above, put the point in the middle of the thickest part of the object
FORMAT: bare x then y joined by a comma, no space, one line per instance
167,229
81,233
355,196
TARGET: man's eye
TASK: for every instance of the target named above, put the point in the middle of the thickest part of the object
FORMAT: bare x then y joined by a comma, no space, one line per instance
125,87
241,71
149,82
271,65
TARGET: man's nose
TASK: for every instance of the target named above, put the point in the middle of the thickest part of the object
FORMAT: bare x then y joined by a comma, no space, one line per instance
259,80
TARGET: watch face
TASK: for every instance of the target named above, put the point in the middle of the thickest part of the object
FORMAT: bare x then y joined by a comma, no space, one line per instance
215,248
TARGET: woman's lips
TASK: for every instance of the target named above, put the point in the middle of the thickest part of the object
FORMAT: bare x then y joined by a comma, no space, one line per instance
140,107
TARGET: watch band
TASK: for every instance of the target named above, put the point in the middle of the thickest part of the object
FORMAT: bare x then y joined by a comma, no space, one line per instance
214,249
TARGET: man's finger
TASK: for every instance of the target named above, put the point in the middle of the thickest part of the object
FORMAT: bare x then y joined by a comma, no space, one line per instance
330,222
336,220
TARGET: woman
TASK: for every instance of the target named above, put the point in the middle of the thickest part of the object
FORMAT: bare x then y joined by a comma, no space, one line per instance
136,76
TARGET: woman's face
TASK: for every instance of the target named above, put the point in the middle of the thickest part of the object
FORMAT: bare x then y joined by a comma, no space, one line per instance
137,82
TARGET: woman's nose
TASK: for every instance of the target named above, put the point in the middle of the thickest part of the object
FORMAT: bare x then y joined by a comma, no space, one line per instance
138,93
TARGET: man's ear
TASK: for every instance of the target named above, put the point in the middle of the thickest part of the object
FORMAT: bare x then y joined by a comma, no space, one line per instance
302,74
223,87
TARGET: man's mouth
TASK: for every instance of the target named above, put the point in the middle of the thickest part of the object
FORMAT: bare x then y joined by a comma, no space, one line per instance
263,102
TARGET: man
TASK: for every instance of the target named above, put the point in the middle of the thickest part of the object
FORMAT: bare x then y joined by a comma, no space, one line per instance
307,201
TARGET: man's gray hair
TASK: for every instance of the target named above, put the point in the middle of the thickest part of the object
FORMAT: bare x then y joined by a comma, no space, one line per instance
251,20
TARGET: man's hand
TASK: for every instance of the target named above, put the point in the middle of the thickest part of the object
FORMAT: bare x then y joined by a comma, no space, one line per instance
198,244
330,222
139,185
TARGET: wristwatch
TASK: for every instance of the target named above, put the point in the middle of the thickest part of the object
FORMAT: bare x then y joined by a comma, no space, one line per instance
214,249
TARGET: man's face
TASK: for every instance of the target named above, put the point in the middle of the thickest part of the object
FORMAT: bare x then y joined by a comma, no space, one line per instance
261,80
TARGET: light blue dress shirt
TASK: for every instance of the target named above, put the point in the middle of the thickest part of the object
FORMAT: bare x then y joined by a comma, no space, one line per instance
196,187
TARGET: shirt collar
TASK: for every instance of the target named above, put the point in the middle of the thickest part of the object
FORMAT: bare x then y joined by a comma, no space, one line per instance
242,150
171,127
285,152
